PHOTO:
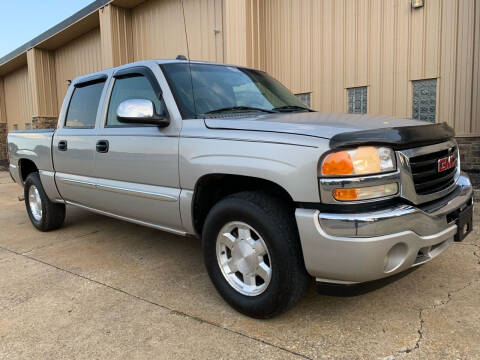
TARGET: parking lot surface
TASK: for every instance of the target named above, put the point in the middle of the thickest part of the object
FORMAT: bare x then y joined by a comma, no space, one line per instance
99,288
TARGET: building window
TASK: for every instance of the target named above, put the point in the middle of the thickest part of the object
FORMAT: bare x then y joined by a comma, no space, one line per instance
357,100
15,127
424,99
28,126
305,98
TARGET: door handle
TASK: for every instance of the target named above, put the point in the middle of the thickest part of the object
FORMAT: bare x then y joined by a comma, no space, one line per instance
62,145
102,146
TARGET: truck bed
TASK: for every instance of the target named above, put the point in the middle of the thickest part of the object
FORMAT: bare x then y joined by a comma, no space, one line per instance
34,145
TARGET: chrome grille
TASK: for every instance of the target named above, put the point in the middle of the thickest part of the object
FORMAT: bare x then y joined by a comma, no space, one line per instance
426,177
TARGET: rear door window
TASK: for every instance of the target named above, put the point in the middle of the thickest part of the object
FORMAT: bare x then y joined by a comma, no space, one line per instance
82,111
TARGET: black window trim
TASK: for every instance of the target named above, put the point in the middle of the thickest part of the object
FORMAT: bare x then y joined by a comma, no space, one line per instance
141,70
91,80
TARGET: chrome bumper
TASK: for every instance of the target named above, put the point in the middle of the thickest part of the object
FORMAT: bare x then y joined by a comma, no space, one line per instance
352,248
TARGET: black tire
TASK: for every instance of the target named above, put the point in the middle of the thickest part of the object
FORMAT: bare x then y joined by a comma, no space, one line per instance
53,214
275,224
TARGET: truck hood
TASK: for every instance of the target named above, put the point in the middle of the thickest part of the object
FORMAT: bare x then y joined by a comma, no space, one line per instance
322,125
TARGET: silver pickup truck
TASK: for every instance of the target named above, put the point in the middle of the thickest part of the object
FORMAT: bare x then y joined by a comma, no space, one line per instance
278,193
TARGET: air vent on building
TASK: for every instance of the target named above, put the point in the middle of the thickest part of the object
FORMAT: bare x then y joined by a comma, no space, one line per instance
425,99
357,100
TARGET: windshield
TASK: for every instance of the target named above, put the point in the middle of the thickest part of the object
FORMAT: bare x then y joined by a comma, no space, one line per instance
215,89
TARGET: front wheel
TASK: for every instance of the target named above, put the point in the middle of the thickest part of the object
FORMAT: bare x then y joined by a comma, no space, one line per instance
252,253
44,214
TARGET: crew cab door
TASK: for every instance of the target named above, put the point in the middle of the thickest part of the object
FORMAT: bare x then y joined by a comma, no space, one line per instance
73,147
136,165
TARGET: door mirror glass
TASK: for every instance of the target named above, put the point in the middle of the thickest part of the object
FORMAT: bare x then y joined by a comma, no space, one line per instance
140,111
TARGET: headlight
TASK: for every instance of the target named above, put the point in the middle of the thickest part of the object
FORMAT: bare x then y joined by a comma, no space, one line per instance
364,160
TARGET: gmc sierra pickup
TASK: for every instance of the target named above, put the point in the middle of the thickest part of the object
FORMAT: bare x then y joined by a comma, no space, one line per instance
278,193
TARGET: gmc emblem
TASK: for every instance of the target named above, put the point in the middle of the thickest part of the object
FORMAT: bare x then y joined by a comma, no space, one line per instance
446,163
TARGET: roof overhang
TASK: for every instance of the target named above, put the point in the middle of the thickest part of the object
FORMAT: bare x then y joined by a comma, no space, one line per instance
74,26
13,64
69,29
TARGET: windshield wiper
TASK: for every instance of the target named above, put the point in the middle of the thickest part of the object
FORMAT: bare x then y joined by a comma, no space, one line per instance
238,108
292,107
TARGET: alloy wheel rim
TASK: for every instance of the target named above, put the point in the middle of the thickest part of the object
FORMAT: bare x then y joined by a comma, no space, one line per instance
35,203
243,258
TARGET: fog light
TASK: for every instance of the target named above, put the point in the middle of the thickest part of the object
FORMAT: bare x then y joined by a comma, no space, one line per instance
395,257
365,193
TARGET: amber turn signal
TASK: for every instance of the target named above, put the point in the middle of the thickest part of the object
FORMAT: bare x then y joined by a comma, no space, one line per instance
365,193
345,194
338,163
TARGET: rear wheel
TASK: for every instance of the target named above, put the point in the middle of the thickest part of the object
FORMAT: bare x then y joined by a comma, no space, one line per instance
44,214
253,256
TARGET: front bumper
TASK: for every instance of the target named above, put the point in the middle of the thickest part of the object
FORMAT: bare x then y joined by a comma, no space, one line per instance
352,248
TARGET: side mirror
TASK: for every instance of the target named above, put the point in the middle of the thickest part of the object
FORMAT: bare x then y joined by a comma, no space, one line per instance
140,111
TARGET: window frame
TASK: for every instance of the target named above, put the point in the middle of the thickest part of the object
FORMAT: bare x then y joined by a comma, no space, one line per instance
86,82
134,72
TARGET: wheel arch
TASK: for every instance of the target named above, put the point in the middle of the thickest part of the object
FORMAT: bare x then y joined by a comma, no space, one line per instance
26,167
211,188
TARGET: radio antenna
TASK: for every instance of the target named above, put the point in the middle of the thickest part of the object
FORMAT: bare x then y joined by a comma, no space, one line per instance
185,27
188,55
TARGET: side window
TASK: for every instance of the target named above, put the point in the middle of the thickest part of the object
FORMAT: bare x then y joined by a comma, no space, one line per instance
132,87
82,111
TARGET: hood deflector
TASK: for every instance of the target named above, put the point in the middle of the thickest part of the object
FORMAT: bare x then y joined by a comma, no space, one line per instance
397,138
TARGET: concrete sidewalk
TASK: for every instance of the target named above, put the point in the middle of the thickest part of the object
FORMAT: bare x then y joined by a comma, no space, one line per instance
99,288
